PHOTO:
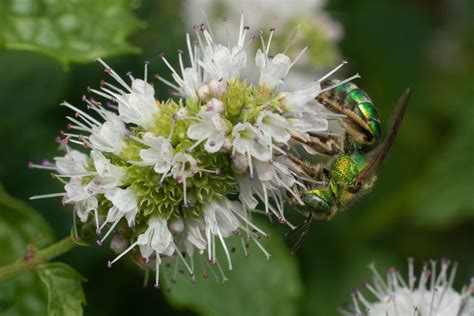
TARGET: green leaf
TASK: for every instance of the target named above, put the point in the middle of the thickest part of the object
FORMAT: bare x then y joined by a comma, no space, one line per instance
255,287
20,225
64,286
69,31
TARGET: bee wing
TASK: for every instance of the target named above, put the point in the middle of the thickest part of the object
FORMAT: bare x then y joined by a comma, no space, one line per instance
374,164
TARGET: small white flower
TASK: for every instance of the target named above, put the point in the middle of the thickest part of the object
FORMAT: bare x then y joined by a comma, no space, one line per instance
76,191
272,71
212,129
73,163
224,218
433,295
194,236
250,141
108,137
108,175
297,101
308,123
222,63
124,204
273,179
247,192
160,155
84,207
139,106
191,82
184,166
251,188
156,239
83,198
274,126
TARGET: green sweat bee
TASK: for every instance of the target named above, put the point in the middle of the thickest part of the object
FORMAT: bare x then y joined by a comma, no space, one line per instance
353,171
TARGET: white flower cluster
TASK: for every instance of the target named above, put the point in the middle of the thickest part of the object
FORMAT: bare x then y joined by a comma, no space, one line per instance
433,295
165,172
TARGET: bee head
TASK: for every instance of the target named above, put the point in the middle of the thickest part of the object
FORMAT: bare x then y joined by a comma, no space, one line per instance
318,202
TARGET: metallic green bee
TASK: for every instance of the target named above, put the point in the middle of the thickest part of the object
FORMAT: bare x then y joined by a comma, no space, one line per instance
352,173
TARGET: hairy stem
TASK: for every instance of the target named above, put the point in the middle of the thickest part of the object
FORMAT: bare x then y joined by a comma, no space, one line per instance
28,263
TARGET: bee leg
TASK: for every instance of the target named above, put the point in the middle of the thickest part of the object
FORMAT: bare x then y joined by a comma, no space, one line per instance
357,129
325,145
312,171
305,229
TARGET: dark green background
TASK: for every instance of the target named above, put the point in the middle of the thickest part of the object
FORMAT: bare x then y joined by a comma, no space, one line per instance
421,207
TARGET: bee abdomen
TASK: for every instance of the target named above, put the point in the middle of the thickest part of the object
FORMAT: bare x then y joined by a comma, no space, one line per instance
349,96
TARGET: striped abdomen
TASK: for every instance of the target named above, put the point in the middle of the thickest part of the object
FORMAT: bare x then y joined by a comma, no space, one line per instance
362,120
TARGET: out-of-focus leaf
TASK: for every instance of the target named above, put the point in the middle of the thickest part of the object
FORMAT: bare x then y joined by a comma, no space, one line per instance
255,287
64,286
449,196
69,31
20,225
24,90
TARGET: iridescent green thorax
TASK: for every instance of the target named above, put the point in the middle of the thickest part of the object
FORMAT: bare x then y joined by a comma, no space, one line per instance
345,168
349,96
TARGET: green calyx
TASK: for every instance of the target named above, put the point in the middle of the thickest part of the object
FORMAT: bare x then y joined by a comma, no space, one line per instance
166,198
243,101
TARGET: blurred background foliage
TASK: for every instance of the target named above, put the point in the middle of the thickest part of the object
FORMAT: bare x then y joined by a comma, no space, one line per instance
421,207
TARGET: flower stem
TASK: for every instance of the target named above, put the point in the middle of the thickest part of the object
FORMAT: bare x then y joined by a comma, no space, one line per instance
28,263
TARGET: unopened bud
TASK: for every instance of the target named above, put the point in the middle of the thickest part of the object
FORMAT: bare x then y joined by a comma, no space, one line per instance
241,162
215,105
204,93
176,225
218,88
182,112
119,244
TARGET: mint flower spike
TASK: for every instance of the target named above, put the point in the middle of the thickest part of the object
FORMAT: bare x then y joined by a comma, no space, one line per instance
172,180
432,295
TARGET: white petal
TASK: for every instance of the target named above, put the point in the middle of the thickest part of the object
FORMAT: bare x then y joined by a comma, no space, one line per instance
246,193
271,74
214,143
123,199
110,175
298,99
84,207
194,237
199,131
74,162
274,125
107,138
75,191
